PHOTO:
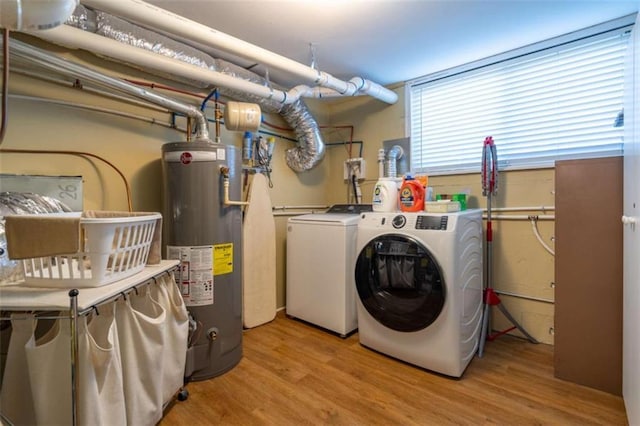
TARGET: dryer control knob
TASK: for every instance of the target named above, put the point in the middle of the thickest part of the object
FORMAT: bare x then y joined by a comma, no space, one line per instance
399,221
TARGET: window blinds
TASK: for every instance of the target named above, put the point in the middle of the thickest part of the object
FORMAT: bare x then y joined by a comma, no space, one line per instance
560,102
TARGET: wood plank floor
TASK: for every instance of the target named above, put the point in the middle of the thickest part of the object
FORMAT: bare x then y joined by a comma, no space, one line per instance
293,373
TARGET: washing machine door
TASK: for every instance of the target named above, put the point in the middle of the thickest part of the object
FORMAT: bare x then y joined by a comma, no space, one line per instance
399,282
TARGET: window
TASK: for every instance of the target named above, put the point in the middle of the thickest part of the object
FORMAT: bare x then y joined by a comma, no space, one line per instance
555,100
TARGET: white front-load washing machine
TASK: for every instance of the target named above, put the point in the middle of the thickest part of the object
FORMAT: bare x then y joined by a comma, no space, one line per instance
419,287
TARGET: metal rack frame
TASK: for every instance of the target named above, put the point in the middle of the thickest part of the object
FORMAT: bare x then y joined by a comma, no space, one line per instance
98,296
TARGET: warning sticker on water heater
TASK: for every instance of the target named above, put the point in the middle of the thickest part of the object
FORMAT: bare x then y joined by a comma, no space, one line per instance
223,258
195,278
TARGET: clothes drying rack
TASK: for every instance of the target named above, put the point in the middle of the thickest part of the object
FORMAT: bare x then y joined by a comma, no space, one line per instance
17,298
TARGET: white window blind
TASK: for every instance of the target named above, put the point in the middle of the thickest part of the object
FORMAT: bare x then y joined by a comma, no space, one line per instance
558,102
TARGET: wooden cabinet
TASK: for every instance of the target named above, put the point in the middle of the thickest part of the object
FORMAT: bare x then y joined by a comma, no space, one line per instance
588,273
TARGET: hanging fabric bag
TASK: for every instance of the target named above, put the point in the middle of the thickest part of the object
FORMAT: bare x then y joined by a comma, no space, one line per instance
49,367
16,399
166,293
101,398
140,321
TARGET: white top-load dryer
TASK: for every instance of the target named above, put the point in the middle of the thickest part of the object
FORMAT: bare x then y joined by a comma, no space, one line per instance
321,251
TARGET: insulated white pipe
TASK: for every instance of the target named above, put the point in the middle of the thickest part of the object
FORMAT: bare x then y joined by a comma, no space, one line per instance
155,17
75,38
144,59
318,92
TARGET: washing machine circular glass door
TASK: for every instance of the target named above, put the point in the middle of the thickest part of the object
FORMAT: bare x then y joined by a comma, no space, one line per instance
399,282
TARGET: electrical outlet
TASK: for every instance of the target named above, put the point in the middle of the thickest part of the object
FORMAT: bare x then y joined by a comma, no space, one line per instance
354,166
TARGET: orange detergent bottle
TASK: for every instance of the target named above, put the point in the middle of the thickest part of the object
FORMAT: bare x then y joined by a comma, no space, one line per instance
411,195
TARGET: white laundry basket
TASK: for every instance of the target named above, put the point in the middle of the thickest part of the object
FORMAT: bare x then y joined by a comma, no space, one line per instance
110,249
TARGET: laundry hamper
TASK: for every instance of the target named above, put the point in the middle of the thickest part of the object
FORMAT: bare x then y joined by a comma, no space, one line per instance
15,394
88,249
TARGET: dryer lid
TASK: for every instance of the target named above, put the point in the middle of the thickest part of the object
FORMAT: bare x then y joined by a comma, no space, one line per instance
327,219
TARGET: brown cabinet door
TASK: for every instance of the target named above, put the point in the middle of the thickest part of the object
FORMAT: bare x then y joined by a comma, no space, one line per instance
588,273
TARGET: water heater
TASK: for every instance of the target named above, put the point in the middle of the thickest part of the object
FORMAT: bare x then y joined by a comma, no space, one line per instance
206,236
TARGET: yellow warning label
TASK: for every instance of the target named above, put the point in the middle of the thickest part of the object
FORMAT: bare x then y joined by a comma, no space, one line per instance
222,259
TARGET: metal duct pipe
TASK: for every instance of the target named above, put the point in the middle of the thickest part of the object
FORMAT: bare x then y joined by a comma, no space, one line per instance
54,63
155,17
311,148
394,154
308,154
126,40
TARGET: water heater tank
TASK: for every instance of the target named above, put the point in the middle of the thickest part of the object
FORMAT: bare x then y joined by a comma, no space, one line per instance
206,236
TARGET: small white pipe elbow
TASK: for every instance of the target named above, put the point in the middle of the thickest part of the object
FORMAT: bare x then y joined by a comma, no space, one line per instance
224,171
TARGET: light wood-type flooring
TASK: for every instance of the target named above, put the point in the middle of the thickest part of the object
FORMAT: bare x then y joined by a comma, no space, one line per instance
293,373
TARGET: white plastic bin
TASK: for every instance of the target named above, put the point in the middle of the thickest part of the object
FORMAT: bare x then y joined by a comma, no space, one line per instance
110,248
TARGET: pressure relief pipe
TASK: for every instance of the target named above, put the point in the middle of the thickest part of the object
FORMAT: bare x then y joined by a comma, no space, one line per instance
224,171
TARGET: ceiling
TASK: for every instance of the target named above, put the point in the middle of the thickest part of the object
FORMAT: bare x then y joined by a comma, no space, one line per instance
390,41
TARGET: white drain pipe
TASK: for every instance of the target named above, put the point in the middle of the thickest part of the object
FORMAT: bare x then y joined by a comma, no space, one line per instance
151,16
143,59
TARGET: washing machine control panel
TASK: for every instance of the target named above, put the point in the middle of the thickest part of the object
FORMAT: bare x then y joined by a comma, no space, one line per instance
409,221
438,223
399,221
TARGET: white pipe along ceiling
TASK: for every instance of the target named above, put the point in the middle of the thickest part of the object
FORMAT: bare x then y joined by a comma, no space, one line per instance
117,39
153,16
112,37
70,37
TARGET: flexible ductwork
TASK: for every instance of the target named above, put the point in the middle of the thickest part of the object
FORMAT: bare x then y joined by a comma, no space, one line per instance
55,64
305,156
311,150
394,154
